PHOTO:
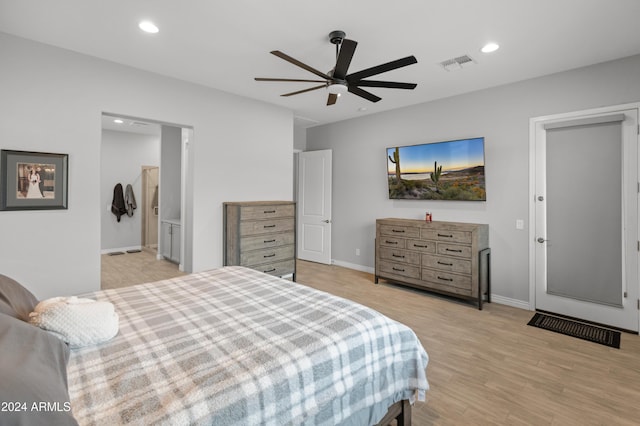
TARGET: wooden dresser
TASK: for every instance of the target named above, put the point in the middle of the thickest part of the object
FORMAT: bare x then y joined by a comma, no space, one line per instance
261,235
446,257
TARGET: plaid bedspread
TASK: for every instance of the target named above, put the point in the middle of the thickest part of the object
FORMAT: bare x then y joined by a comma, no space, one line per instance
233,346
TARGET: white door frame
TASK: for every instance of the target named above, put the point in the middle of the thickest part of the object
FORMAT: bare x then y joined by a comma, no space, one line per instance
533,125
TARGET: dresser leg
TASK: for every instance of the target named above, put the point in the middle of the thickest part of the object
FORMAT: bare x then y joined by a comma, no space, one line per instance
375,279
484,275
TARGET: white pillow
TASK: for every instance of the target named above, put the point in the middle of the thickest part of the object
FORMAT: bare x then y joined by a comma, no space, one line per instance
77,321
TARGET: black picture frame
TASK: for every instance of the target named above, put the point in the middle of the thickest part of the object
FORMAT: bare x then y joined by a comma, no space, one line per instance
33,180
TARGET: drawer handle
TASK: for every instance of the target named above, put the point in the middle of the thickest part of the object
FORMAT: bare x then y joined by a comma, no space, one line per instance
401,231
397,269
269,270
269,241
269,255
397,255
445,278
455,251
420,246
391,242
269,226
446,264
269,211
444,235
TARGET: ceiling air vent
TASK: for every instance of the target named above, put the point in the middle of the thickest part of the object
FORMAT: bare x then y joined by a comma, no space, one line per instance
457,63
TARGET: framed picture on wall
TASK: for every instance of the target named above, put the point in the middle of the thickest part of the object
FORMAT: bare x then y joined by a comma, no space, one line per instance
33,180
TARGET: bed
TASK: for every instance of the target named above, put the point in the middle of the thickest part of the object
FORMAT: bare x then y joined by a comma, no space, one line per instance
233,346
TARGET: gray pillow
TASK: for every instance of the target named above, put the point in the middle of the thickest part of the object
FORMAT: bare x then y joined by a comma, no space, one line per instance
33,372
15,300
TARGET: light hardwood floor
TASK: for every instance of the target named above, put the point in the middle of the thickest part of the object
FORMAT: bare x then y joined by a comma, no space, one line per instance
488,367
134,268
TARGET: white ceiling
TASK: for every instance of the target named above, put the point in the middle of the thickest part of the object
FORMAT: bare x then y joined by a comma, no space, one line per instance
225,44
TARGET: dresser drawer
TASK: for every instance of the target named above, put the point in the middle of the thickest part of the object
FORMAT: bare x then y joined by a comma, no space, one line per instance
276,268
266,211
257,257
454,250
422,246
449,264
266,226
400,231
402,256
390,269
448,236
266,241
451,281
392,242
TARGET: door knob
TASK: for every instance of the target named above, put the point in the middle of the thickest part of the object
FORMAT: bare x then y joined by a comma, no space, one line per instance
541,240
326,221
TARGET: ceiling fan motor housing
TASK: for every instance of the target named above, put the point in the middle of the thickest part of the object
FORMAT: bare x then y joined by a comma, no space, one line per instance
337,36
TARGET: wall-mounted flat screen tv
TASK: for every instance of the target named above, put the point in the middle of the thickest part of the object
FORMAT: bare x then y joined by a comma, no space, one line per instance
451,170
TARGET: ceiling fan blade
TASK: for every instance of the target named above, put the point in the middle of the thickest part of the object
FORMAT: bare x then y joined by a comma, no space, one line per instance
296,62
363,93
347,49
387,84
332,99
379,69
305,90
288,79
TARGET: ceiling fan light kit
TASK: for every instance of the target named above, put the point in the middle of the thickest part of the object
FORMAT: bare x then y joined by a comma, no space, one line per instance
337,88
337,81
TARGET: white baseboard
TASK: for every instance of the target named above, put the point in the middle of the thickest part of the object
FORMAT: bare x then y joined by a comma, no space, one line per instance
515,303
353,266
495,298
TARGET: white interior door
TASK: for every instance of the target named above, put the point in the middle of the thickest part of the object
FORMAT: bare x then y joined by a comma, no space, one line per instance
586,217
314,206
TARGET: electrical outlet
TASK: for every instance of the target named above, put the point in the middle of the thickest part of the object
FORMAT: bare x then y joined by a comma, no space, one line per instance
519,224
357,252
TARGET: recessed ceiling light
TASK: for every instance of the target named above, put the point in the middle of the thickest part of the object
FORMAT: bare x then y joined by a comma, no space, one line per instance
362,109
148,27
490,47
118,121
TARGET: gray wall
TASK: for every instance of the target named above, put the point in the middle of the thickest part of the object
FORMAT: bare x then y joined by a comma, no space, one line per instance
170,173
52,100
121,159
499,114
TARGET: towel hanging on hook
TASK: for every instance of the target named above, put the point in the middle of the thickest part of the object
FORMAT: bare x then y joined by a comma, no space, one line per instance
117,205
130,200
